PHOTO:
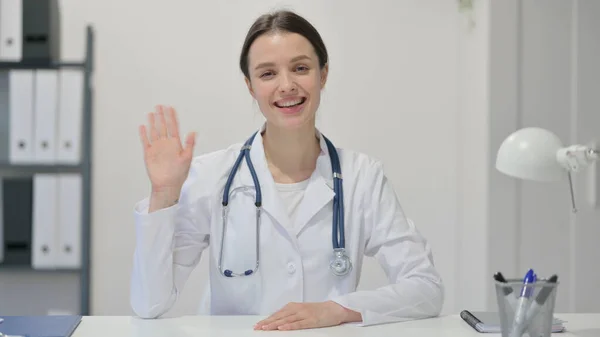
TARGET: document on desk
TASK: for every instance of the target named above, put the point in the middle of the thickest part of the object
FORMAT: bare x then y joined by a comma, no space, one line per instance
489,322
40,326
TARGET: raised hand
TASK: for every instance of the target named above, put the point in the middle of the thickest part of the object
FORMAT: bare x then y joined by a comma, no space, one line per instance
167,160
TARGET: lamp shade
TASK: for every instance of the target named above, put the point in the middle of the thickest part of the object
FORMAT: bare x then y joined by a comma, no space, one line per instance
530,153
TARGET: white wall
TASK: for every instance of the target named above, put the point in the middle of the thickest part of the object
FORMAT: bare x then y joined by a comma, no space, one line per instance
543,71
430,97
559,73
393,77
471,124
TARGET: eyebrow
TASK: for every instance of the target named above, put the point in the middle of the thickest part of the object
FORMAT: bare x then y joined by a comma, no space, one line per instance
271,64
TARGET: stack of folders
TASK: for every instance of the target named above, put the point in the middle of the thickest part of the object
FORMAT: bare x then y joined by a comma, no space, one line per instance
41,113
489,322
40,220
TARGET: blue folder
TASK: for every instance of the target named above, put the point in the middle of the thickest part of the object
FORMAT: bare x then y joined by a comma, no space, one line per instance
40,326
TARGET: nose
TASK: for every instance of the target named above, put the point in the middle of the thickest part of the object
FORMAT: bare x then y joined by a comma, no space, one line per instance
287,83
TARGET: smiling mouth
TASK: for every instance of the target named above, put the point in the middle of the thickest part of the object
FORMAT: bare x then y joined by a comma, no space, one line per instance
291,104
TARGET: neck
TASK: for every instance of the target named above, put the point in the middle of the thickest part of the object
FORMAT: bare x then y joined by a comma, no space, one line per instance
291,155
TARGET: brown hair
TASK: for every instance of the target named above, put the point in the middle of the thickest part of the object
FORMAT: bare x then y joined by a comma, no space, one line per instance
286,21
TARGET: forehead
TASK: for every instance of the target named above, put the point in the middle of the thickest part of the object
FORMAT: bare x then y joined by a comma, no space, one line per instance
279,47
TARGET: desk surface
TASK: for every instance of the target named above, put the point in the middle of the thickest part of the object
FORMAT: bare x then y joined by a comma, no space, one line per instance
580,325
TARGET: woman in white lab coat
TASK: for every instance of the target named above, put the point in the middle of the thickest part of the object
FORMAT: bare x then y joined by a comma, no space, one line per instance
285,65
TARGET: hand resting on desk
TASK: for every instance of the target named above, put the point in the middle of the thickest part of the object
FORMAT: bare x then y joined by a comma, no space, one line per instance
295,316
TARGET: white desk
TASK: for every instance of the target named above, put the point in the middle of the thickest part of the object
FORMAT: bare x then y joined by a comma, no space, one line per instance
580,325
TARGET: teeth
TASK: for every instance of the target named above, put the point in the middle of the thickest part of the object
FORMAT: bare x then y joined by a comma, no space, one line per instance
290,103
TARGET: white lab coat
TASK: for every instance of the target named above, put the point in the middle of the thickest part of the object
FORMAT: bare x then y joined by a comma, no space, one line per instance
294,258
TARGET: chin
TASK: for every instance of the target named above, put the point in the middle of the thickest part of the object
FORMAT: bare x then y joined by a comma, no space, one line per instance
293,122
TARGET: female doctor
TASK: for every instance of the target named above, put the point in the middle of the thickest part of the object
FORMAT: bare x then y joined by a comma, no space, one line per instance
285,217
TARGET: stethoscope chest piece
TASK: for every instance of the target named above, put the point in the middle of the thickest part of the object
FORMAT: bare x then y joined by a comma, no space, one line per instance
340,264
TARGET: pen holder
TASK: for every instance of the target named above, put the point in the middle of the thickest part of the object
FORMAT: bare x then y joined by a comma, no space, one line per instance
526,310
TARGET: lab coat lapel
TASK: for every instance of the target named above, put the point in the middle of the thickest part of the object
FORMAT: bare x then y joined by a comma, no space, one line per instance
271,202
318,194
319,191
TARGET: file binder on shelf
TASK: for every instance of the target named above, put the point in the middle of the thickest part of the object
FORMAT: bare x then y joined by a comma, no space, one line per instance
71,84
1,223
30,31
45,161
45,115
20,115
45,216
68,254
16,212
11,30
56,231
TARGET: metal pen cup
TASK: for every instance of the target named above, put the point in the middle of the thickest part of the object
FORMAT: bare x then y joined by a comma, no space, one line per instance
529,315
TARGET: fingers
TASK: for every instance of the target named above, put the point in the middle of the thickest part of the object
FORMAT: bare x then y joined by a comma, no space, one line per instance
152,122
163,123
288,314
296,325
144,136
162,128
173,123
190,141
284,312
293,318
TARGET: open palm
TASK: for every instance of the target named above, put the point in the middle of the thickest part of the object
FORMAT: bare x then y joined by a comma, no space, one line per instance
167,160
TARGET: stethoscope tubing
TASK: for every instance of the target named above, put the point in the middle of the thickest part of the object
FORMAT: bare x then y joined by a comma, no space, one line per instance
338,235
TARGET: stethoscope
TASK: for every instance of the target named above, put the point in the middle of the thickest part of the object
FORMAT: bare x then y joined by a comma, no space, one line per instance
340,264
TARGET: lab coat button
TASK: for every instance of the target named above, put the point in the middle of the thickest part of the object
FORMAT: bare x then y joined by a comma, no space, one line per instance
291,268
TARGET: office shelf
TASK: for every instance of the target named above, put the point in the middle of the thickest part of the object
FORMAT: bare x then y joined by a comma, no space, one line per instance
49,284
28,170
28,268
33,64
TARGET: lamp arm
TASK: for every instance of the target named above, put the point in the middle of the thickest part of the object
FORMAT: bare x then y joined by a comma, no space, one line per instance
576,157
573,159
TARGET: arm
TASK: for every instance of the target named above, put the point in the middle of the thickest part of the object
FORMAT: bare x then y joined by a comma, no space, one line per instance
169,244
415,290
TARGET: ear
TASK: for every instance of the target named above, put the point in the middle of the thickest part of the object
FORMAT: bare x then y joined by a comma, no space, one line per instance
249,85
324,73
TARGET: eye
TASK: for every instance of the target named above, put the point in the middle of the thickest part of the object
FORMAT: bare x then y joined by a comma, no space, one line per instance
266,74
301,68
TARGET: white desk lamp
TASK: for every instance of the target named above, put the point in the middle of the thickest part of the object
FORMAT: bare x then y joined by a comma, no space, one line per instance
538,154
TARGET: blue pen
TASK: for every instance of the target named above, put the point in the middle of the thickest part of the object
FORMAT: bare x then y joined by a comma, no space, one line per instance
541,298
522,305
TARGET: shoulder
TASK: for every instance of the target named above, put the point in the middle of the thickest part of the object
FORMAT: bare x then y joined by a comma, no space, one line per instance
365,175
208,170
217,158
359,164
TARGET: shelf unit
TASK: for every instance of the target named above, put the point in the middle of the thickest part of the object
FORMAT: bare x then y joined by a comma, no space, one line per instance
29,282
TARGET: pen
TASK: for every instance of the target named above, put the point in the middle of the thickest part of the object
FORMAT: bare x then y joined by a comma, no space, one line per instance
507,291
523,301
540,300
